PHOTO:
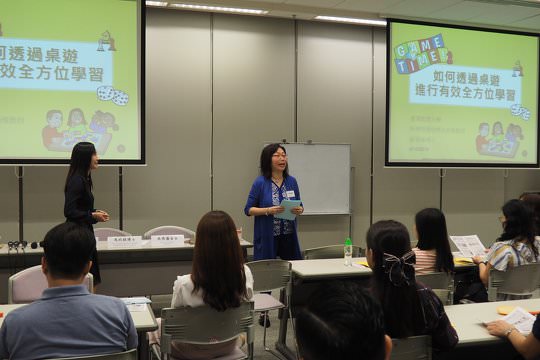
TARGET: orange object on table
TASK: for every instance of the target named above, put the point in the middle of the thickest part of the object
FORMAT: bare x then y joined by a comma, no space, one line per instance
506,309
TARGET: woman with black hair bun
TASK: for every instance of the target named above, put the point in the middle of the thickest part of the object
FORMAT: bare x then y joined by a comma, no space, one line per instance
79,200
409,307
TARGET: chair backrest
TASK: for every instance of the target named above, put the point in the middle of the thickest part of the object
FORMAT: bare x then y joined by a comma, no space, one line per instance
441,283
28,284
519,281
270,275
170,230
412,348
124,355
159,302
330,252
103,233
204,325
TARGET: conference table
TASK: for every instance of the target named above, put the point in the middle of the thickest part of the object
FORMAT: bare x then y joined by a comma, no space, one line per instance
474,339
307,275
143,319
134,271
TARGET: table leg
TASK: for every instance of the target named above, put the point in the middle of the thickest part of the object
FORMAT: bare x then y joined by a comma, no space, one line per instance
142,349
281,344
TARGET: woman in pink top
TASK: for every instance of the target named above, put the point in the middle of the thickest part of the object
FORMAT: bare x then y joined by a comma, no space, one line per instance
433,249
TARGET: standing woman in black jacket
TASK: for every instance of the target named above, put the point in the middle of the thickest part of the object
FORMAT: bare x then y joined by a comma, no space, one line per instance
79,200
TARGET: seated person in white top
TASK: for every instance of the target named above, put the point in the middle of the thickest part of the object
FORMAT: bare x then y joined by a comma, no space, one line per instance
433,249
517,244
67,321
219,279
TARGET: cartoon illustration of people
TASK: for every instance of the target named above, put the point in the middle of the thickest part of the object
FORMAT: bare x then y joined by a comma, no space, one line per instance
500,144
481,138
518,132
517,69
50,132
77,124
498,133
102,121
509,136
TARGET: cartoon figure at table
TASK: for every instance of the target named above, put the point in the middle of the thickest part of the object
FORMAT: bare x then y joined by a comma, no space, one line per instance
481,138
77,127
50,134
102,121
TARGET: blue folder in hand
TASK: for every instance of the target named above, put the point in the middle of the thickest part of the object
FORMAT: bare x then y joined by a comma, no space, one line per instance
288,205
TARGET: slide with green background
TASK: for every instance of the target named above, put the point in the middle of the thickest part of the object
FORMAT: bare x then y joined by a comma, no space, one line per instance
462,96
69,72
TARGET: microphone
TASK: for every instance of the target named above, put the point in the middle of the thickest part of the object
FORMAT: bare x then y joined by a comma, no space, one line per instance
34,245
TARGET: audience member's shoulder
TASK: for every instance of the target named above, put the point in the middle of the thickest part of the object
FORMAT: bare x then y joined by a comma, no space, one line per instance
184,281
427,295
502,245
25,312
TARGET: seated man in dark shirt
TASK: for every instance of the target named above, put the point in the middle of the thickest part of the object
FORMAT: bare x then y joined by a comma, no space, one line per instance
68,320
528,346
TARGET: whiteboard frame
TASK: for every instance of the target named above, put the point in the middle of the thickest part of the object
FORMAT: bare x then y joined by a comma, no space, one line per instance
351,176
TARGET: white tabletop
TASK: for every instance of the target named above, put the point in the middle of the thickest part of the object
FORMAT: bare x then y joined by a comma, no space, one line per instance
328,268
331,268
103,246
143,320
467,318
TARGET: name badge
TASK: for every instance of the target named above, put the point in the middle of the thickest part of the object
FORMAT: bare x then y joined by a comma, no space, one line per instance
159,241
124,242
290,194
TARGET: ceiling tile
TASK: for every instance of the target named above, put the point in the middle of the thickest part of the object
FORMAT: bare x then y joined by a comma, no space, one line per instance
375,6
419,8
316,3
532,23
506,14
464,11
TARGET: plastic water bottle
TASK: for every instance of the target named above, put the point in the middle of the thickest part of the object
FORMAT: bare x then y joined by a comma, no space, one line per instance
347,252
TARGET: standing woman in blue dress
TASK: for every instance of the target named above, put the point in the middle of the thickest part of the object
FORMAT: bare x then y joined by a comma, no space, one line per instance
79,200
274,237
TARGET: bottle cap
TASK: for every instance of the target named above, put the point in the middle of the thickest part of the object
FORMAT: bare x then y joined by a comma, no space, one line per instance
348,241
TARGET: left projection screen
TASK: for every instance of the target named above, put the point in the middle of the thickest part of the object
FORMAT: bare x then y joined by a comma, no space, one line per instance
71,71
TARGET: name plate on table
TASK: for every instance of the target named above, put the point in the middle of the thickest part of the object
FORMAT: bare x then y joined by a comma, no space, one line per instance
159,241
124,242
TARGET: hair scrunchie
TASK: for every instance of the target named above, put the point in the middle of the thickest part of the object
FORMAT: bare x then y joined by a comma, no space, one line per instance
400,270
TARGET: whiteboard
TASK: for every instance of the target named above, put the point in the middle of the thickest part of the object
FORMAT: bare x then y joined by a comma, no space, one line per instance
323,172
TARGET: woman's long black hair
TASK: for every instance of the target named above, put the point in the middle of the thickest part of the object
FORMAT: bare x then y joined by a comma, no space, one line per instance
396,290
81,159
433,234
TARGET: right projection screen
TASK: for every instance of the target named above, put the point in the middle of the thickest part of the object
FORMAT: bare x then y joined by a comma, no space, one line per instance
461,97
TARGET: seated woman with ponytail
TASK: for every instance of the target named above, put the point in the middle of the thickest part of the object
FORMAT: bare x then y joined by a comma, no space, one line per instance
410,308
